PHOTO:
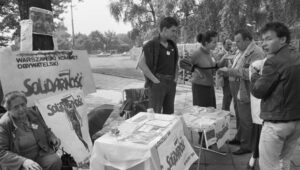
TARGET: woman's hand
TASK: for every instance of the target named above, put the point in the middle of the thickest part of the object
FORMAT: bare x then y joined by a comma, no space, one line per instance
55,143
29,164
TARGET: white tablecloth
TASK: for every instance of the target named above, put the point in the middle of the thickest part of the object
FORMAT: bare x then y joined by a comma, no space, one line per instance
144,142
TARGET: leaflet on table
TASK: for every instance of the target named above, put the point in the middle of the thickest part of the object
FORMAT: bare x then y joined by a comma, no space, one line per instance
143,117
127,128
188,118
150,128
139,118
159,123
141,137
137,133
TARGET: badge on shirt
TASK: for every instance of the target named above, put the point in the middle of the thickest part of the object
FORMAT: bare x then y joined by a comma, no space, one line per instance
34,126
168,53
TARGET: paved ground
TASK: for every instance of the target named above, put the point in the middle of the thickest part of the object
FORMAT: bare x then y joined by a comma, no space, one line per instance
109,91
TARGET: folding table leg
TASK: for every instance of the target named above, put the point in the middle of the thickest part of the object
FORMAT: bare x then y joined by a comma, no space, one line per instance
202,148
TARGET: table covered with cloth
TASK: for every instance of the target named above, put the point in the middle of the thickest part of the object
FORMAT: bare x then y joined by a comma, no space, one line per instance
145,141
213,122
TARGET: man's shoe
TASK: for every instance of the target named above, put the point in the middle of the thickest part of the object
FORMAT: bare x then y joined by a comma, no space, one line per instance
234,142
241,152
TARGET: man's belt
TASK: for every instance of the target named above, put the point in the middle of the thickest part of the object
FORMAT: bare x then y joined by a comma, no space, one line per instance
164,76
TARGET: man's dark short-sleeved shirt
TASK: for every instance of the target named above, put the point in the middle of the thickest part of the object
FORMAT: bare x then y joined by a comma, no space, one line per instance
166,60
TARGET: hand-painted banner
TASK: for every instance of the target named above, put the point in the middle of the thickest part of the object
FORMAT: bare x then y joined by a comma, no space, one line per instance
175,152
42,73
66,115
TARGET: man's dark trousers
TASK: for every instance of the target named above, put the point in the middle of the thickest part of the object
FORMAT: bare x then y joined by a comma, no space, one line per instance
227,97
162,95
246,125
234,87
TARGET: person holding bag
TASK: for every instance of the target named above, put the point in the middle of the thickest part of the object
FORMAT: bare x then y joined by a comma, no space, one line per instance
202,79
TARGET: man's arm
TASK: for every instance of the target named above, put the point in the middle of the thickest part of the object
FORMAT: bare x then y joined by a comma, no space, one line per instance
243,72
262,86
145,69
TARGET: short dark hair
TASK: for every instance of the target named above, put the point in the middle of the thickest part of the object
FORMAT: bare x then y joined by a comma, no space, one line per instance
9,97
168,22
224,41
206,37
279,28
244,33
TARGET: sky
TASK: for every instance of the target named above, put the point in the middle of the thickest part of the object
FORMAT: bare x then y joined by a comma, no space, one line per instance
92,15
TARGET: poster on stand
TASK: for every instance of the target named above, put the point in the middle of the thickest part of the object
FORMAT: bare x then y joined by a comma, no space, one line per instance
66,115
40,74
174,151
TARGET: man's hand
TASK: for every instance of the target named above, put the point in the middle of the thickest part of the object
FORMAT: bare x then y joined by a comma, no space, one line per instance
253,70
223,71
55,143
156,81
29,164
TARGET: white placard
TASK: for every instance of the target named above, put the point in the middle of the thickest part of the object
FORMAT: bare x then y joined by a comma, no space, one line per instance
66,115
41,74
174,151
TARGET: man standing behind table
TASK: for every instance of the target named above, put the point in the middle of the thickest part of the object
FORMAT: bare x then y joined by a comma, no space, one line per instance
224,60
278,87
159,65
248,52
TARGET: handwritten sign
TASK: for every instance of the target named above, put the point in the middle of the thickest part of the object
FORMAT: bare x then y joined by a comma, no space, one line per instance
174,151
66,115
45,73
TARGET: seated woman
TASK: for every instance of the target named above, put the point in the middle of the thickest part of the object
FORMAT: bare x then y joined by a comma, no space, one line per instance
25,140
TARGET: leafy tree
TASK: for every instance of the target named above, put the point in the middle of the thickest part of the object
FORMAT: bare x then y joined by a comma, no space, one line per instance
81,41
63,37
124,39
224,16
140,14
96,41
232,17
111,41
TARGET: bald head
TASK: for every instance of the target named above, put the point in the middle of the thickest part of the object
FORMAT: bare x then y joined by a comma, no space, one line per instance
227,44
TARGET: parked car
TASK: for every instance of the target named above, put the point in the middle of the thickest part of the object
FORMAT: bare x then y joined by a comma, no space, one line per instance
103,54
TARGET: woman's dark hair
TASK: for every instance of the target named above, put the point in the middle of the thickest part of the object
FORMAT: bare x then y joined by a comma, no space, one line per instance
207,37
9,97
279,28
168,22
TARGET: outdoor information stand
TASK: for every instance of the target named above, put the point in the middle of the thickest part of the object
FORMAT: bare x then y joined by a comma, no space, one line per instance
148,142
